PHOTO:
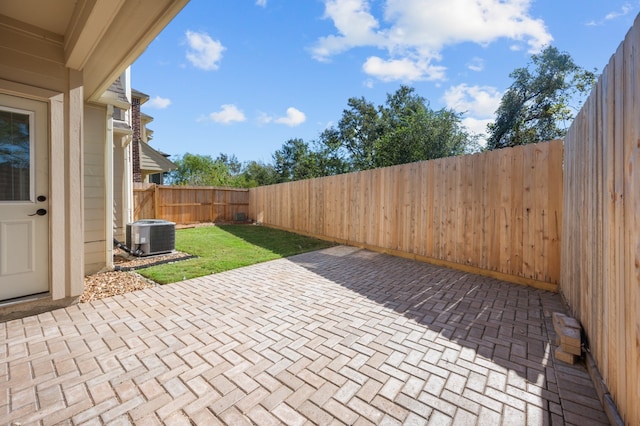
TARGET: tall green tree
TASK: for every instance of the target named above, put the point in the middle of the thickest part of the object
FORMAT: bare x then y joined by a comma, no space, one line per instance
358,130
405,129
256,173
294,161
538,105
413,132
330,156
200,170
231,161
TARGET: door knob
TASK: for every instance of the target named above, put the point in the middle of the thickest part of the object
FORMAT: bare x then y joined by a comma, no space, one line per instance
39,212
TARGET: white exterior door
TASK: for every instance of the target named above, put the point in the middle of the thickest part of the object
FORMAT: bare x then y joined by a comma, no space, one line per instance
24,197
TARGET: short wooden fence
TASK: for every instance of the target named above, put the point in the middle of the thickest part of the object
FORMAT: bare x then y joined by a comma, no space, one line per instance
191,204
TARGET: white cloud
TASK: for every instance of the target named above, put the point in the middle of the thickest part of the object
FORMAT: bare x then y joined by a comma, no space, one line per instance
262,3
204,52
433,24
293,118
416,31
476,64
624,11
477,126
355,25
158,102
368,83
478,103
403,69
227,115
264,118
626,8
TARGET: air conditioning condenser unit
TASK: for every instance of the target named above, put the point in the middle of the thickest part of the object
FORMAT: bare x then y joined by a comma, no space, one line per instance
151,236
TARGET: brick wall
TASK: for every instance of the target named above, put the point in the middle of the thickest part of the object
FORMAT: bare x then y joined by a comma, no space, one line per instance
135,124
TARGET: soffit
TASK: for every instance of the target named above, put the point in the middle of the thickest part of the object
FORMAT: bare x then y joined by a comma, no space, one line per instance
101,37
52,16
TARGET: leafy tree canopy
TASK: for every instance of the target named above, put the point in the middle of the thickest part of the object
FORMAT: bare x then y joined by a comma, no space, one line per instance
256,173
295,161
225,170
403,130
199,170
298,160
537,105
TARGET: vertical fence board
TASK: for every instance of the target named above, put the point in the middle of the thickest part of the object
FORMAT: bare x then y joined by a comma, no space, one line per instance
494,202
618,142
504,211
482,212
429,190
607,356
631,188
517,227
555,159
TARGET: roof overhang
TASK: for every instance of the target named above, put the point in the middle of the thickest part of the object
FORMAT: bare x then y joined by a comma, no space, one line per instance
99,37
151,161
122,128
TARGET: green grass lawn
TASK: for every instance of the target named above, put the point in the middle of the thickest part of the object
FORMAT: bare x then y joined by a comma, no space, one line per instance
221,248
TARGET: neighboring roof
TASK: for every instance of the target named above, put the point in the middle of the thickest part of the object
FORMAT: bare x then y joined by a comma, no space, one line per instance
122,127
116,95
138,94
118,88
146,117
154,161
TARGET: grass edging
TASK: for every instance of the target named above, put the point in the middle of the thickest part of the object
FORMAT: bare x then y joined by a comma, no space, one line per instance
221,248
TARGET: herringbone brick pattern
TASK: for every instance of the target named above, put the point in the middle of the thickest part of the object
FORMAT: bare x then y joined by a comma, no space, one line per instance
340,336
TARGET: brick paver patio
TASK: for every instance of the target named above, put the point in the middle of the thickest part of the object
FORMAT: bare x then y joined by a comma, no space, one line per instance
342,336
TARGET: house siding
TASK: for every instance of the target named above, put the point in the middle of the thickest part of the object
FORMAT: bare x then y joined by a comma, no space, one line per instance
118,189
32,60
94,188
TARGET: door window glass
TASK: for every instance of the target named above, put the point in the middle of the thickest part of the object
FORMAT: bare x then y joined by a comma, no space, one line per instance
16,140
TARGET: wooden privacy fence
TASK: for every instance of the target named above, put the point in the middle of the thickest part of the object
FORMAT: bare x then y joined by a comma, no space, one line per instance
497,213
190,204
601,248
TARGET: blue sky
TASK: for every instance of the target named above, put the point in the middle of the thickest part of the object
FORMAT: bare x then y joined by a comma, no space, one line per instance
244,76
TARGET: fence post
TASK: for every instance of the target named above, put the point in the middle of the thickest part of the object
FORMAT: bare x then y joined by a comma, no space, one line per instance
213,205
156,207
